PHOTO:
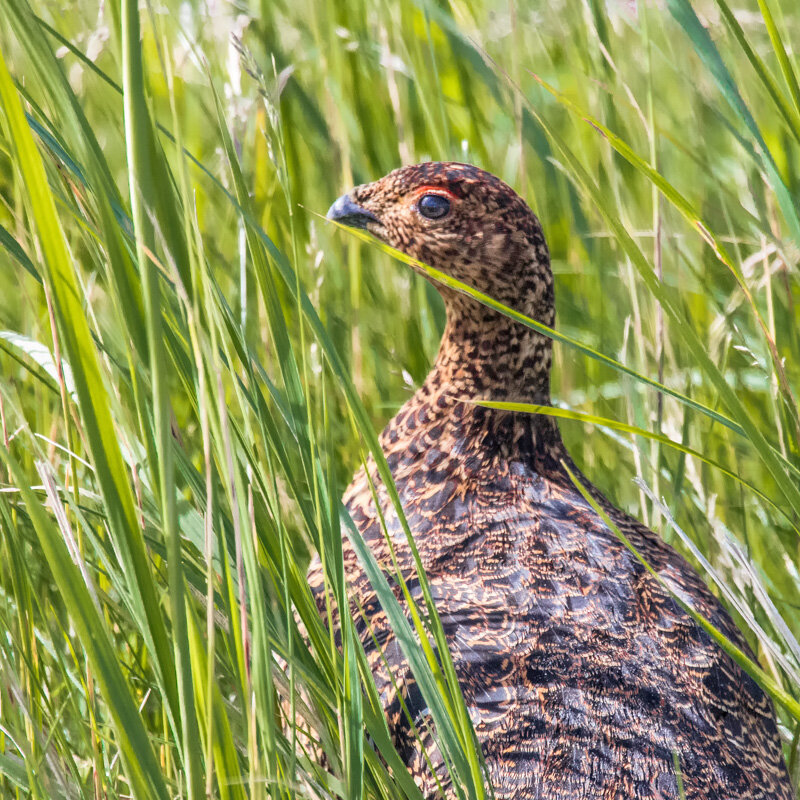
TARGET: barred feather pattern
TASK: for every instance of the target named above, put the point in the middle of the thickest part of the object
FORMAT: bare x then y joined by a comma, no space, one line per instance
583,676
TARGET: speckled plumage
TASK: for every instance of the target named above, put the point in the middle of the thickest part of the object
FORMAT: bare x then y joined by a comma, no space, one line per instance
582,675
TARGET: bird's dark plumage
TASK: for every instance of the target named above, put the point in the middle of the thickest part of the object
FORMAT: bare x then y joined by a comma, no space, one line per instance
583,676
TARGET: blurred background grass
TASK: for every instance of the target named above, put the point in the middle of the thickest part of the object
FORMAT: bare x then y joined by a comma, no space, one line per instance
161,493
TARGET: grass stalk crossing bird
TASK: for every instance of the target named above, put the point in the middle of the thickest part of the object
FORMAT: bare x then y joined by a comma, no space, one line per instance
583,675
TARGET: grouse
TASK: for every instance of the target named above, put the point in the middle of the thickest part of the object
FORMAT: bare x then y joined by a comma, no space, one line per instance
583,676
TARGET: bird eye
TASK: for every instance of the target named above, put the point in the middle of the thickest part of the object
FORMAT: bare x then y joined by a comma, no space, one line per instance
433,206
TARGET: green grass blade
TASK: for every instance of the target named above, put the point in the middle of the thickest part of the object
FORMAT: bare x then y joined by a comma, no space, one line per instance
780,53
145,187
769,685
79,350
707,50
790,115
555,335
623,427
141,766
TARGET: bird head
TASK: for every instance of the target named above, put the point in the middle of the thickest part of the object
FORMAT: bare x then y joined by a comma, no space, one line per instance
462,221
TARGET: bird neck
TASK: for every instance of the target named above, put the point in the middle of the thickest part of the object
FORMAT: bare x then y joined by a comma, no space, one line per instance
483,355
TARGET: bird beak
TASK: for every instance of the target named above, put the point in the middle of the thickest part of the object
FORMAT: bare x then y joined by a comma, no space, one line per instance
346,211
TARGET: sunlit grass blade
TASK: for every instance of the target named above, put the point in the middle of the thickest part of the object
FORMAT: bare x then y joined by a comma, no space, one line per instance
764,680
555,335
693,217
780,54
623,427
668,299
706,49
216,723
789,114
150,189
141,766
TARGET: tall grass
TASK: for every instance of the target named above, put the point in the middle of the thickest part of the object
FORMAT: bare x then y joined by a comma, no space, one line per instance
192,363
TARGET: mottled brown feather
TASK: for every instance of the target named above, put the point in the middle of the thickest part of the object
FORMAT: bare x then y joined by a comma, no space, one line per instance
581,673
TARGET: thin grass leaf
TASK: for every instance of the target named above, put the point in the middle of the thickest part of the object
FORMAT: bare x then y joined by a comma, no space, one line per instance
790,115
752,669
150,189
780,53
623,427
709,55
446,280
668,300
77,343
14,248
141,766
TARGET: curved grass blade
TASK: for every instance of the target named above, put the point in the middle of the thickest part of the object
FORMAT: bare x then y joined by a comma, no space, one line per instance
40,355
692,216
551,333
78,346
704,45
765,681
141,767
418,659
623,427
14,249
780,53
789,114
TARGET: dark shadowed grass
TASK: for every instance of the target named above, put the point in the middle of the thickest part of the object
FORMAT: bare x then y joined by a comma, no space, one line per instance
192,363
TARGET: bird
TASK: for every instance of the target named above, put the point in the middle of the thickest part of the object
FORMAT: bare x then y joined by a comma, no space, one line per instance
583,675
